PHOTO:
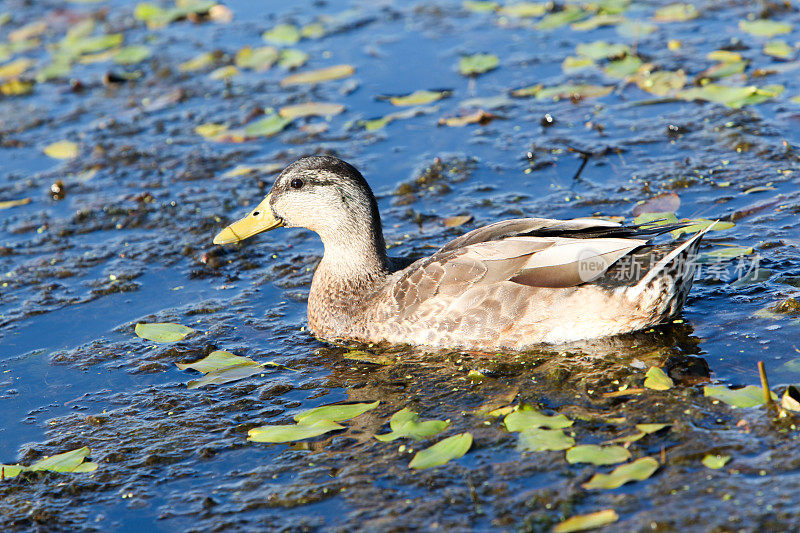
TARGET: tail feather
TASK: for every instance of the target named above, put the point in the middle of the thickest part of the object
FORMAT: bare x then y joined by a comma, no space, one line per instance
681,255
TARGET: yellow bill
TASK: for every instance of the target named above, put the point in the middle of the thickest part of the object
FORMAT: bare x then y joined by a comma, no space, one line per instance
259,220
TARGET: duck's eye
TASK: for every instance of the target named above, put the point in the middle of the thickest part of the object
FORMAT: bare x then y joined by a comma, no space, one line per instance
297,183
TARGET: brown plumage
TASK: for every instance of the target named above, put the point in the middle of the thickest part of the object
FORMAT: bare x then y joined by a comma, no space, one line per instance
509,285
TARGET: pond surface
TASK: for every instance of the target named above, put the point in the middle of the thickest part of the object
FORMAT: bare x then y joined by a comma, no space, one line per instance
121,233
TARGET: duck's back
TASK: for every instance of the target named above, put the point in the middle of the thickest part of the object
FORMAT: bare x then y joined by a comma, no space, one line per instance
523,282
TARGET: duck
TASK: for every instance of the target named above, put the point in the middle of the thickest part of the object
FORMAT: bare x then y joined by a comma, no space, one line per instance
512,285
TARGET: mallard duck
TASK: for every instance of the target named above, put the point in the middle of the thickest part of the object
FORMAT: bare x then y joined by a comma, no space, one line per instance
510,285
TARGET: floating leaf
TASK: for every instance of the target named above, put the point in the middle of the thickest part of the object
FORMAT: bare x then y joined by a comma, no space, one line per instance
601,50
723,70
259,59
224,73
624,67
266,127
315,30
526,417
723,254
14,203
555,20
487,102
310,109
291,58
597,455
734,97
419,98
475,64
657,219
715,462
244,170
542,440
668,202
661,82
291,432
479,6
14,69
317,76
162,332
198,62
597,21
699,224
764,27
676,13
59,67
778,49
643,431
28,31
404,424
217,360
638,470
749,396
442,452
635,29
336,413
572,92
587,521
524,9
210,130
71,461
378,123
477,117
16,87
455,221
62,150
791,396
725,56
89,45
657,379
130,55
572,63
282,34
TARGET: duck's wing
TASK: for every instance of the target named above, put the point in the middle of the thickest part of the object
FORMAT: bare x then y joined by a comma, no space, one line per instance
532,252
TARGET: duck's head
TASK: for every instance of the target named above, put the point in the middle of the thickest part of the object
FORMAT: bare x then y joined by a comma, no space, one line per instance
320,193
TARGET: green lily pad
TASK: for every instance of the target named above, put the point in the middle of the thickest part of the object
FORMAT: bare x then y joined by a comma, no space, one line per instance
310,109
676,13
475,64
541,440
638,470
62,150
573,92
561,18
223,367
268,126
336,413
588,521
130,55
335,72
480,6
643,431
223,73
198,62
442,452
660,82
597,455
635,29
162,332
764,27
291,432
367,357
71,461
282,34
419,98
734,97
715,462
404,424
779,49
724,56
598,21
749,396
699,224
524,9
657,219
657,379
292,58
723,70
598,50
258,59
622,68
724,253
572,63
526,417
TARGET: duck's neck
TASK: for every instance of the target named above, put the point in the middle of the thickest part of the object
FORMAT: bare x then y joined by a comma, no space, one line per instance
353,266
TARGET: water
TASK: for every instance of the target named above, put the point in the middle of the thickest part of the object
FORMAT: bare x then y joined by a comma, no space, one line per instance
147,194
